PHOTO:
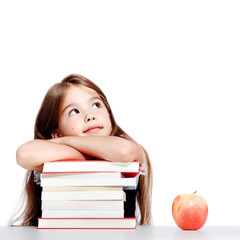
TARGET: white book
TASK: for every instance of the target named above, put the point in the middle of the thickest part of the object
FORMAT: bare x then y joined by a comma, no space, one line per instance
82,175
80,188
85,195
83,213
89,166
113,223
47,180
82,205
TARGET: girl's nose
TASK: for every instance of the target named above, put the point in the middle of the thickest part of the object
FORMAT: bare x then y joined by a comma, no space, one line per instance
90,117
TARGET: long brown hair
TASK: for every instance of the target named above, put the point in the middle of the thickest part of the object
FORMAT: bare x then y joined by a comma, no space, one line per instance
47,120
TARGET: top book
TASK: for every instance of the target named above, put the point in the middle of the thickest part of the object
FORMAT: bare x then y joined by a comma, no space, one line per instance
76,166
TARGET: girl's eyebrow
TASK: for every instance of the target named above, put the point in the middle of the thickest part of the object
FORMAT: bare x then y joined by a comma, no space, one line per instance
94,98
68,106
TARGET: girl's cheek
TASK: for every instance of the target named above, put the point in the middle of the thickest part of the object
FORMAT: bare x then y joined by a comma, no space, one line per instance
73,129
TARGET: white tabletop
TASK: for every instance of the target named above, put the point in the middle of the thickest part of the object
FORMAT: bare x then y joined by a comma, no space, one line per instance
142,232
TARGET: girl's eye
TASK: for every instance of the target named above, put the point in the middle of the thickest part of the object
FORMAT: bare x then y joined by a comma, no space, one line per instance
96,105
73,112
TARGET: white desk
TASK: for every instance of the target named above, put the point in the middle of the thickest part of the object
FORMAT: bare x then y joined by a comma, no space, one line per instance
146,233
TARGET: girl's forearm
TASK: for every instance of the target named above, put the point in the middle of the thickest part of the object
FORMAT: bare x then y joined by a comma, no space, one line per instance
32,155
110,148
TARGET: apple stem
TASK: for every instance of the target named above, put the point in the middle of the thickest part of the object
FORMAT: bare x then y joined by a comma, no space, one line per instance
195,192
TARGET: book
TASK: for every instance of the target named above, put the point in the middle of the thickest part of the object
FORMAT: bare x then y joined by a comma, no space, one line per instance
93,175
79,188
83,213
71,165
82,205
47,180
86,223
84,195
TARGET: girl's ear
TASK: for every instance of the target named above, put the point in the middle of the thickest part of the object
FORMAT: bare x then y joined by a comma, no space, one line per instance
56,133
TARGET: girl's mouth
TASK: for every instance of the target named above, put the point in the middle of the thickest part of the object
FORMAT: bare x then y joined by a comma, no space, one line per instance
93,129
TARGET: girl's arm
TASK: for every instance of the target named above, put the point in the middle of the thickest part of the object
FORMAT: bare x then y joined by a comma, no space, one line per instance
110,148
33,154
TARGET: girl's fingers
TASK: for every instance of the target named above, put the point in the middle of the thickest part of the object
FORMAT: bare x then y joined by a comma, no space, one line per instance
142,169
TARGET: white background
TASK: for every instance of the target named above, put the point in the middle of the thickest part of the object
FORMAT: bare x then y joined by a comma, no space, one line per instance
170,70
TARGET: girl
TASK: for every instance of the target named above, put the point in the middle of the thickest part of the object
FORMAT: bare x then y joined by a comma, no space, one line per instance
75,121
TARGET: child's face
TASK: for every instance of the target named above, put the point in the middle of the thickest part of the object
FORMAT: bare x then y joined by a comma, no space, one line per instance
83,114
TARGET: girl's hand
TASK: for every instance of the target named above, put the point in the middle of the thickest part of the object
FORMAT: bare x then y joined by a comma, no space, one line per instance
142,168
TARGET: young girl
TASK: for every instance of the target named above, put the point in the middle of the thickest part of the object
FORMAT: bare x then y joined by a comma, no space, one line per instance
75,121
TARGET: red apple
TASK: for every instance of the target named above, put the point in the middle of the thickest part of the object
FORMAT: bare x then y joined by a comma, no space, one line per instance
189,211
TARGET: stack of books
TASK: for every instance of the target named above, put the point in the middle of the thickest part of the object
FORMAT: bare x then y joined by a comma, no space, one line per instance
86,194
